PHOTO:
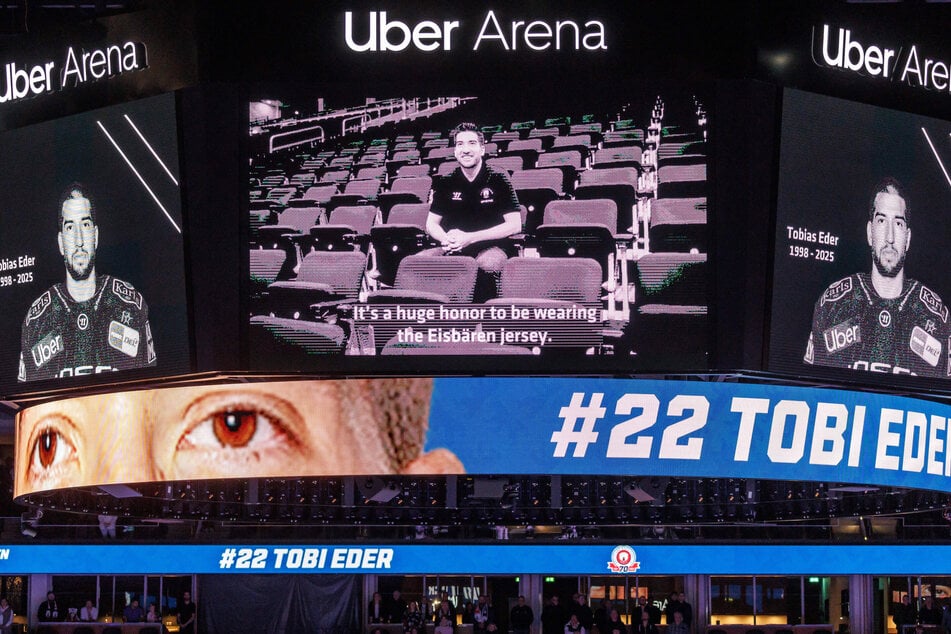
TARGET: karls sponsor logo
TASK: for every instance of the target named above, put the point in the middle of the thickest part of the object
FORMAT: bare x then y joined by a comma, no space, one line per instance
933,303
39,306
840,48
837,290
47,348
126,293
382,33
841,336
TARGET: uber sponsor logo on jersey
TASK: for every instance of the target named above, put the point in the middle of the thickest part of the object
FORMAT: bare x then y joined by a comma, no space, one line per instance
47,348
41,304
933,303
841,336
123,338
486,196
126,293
925,346
837,291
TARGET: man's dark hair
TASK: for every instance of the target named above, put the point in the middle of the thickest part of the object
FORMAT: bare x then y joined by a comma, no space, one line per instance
889,185
467,126
75,190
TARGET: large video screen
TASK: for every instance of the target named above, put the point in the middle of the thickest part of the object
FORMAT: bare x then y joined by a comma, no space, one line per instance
422,426
91,253
861,262
442,232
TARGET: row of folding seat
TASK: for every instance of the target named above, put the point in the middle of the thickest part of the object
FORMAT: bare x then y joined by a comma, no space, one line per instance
295,311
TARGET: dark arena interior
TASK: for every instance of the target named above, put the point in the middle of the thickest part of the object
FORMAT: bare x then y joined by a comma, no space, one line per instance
422,318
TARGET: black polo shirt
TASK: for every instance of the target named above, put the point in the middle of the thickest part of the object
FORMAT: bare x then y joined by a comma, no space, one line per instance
476,205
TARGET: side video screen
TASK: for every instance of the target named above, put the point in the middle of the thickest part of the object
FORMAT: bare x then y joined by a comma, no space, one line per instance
91,253
861,263
462,227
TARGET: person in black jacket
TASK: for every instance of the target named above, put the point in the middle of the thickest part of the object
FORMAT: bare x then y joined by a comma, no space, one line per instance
554,616
521,617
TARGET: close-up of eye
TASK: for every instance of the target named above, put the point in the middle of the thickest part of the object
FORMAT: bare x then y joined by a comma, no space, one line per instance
229,430
51,453
234,429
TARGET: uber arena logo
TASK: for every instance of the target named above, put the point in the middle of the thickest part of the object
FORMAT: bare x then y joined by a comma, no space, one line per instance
623,559
385,34
841,48
79,66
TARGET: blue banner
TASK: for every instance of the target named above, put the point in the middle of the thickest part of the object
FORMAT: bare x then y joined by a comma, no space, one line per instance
691,428
475,559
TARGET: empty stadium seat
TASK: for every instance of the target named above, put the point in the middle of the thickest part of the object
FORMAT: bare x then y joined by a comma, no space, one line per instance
348,229
293,221
431,279
404,233
320,194
535,188
682,181
570,162
585,229
678,224
618,156
505,163
405,190
275,341
672,298
615,183
325,280
410,171
356,192
528,150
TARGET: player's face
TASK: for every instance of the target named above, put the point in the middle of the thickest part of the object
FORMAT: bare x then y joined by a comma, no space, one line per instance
254,430
78,238
888,234
469,150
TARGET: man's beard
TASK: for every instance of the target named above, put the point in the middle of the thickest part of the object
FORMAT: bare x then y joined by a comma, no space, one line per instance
885,271
84,273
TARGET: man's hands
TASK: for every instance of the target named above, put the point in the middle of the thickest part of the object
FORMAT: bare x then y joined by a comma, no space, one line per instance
456,240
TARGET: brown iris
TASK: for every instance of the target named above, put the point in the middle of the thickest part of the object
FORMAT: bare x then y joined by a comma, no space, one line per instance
47,447
234,429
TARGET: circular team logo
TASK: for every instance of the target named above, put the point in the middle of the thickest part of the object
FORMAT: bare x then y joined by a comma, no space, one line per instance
82,321
486,193
885,319
623,559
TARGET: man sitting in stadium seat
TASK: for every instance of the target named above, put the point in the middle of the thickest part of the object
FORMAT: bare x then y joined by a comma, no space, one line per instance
474,209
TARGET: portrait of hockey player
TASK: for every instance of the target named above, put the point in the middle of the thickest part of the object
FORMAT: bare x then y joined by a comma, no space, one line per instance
882,320
860,263
91,322
92,259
